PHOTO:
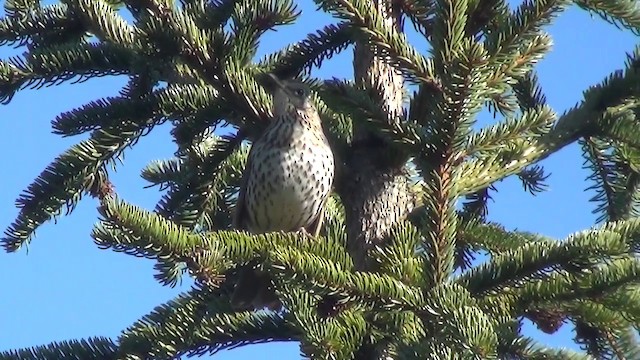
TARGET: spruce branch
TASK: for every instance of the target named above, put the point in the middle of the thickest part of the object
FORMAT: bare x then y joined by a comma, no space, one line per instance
197,323
451,308
334,221
101,19
439,221
315,48
420,14
209,14
15,7
466,334
51,66
530,99
623,343
163,172
206,173
617,89
398,258
521,26
465,252
534,122
520,63
625,300
343,96
79,169
535,259
605,343
243,249
448,30
339,126
383,40
623,13
620,123
129,229
191,129
517,42
22,26
403,332
460,99
528,92
172,32
245,92
603,280
92,348
172,102
569,127
251,19
527,348
595,314
533,179
204,50
484,15
473,328
615,182
476,205
333,279
334,337
496,240
200,50
192,42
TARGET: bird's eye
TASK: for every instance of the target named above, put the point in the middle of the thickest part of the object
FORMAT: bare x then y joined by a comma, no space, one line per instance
299,92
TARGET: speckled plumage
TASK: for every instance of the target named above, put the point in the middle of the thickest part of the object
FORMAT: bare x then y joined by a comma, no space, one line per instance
290,175
287,180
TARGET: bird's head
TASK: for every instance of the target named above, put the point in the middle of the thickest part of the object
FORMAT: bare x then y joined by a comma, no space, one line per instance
288,94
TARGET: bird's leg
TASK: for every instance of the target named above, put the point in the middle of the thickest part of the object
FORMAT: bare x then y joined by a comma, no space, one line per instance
314,227
318,223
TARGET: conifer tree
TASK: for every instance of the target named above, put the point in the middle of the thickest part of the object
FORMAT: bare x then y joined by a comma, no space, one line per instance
389,277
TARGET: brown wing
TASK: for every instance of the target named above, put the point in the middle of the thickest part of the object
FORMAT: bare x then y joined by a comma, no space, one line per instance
253,287
240,217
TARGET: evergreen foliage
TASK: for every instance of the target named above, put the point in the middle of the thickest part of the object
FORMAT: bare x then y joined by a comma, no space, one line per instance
192,63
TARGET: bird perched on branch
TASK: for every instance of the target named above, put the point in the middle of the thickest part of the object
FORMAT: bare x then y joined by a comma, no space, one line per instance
286,182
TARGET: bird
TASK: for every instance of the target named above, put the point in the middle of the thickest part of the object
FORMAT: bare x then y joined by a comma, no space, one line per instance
285,185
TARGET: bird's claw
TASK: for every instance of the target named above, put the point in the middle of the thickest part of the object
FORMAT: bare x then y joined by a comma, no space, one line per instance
304,232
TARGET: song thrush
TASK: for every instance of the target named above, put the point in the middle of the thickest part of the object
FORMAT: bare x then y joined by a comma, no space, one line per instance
286,182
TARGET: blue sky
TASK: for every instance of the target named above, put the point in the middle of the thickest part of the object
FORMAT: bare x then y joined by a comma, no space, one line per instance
63,287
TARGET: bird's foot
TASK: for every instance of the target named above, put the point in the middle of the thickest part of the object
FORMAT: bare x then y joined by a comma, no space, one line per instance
304,232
